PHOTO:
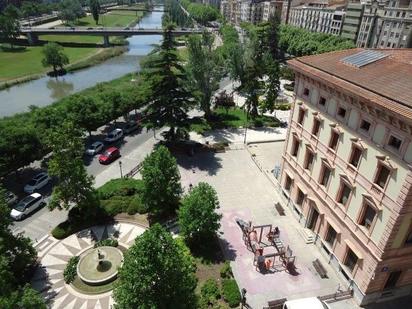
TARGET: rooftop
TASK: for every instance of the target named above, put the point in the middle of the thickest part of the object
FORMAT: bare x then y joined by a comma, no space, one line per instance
386,81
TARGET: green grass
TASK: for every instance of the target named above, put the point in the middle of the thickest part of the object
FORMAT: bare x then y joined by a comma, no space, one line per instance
24,61
233,118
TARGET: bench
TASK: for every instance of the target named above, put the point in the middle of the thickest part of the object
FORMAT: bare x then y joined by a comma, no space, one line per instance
280,209
276,304
320,269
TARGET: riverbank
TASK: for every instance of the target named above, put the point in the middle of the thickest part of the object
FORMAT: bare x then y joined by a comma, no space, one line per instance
23,63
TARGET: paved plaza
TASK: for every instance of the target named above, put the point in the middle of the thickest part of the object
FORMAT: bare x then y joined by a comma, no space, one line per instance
54,255
246,192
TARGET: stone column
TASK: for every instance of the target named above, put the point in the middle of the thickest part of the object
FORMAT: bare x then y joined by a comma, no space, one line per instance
106,40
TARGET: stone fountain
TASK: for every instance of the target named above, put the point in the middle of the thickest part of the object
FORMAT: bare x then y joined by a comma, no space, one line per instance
98,266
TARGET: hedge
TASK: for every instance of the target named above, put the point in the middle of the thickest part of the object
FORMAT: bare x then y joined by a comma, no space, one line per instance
231,292
70,272
110,242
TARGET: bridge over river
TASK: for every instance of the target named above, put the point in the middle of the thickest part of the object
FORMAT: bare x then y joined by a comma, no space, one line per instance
32,34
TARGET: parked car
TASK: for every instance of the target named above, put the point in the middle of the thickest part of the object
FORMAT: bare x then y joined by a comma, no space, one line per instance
26,206
94,148
130,127
127,28
306,303
11,198
37,182
114,136
109,155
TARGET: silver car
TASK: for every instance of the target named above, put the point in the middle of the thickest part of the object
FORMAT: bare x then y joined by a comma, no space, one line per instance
114,136
37,182
26,206
94,148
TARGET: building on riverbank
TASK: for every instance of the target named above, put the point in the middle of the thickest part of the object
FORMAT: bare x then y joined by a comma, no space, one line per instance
346,166
252,11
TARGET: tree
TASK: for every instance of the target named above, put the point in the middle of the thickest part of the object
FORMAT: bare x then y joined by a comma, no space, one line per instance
203,70
74,185
9,24
70,10
85,113
54,56
169,100
17,259
156,273
198,220
161,178
94,6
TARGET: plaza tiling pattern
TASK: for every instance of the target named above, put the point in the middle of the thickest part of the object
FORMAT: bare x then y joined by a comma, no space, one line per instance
54,255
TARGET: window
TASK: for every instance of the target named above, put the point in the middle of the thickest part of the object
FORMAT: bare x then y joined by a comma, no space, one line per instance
367,216
365,125
300,197
330,236
306,92
288,183
295,147
355,156
343,194
394,142
301,116
350,260
341,112
324,175
392,280
333,143
322,101
316,127
309,159
382,176
408,239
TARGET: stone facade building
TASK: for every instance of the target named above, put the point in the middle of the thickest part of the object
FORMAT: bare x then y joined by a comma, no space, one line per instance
346,166
252,11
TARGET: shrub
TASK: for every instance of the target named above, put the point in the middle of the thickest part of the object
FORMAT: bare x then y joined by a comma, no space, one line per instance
289,87
136,206
283,107
258,123
226,271
210,290
120,187
60,232
70,271
115,205
231,292
106,242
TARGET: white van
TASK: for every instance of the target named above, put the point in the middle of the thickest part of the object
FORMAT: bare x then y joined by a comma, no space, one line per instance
305,303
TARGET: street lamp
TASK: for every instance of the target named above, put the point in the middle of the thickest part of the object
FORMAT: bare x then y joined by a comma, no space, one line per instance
243,298
121,171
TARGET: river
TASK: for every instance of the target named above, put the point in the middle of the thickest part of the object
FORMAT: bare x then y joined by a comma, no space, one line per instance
46,90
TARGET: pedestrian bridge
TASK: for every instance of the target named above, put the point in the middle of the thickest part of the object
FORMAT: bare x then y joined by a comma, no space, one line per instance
32,34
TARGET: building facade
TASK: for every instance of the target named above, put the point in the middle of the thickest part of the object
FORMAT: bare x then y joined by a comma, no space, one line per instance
346,166
252,11
318,17
353,19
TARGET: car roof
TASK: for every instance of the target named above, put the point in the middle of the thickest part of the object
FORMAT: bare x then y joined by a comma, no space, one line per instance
116,130
305,303
97,143
35,195
111,149
40,175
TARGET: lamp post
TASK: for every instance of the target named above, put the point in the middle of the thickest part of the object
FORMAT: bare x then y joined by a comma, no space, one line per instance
121,171
243,298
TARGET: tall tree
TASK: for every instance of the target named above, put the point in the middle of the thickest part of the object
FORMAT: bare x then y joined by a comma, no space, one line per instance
94,6
17,259
156,273
70,10
161,178
169,99
203,69
54,56
198,220
9,24
74,185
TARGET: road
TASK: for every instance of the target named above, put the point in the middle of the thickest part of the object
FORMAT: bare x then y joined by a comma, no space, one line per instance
41,222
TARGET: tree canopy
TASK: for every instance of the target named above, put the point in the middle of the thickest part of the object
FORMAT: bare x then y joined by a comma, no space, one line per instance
198,220
9,24
94,6
161,178
156,273
54,56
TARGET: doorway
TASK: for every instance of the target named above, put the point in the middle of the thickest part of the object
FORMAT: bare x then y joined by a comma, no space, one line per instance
313,219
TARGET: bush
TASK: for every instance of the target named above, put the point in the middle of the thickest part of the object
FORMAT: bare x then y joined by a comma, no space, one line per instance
110,242
70,271
289,87
226,271
258,123
136,206
210,290
231,292
60,232
283,107
115,205
120,187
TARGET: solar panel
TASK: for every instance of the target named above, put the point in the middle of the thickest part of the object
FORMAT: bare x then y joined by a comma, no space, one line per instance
363,58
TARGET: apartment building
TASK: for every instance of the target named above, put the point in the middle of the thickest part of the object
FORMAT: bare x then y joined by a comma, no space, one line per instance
346,167
370,23
318,17
352,21
252,11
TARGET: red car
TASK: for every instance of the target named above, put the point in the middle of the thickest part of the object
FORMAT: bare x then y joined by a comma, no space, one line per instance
109,155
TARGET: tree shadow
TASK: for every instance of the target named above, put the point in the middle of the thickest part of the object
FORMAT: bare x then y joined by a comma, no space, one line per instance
209,252
41,283
204,161
228,250
15,49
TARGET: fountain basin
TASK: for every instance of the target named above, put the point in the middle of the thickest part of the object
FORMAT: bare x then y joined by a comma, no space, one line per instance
100,265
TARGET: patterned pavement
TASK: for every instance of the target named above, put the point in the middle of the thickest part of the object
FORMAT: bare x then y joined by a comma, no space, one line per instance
54,254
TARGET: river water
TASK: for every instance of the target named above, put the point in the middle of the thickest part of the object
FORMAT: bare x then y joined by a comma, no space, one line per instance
46,90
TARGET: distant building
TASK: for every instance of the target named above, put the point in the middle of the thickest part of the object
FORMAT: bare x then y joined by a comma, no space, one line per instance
318,17
347,165
352,21
252,11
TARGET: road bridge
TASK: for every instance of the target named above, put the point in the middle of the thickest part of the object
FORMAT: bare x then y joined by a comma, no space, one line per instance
133,9
32,34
